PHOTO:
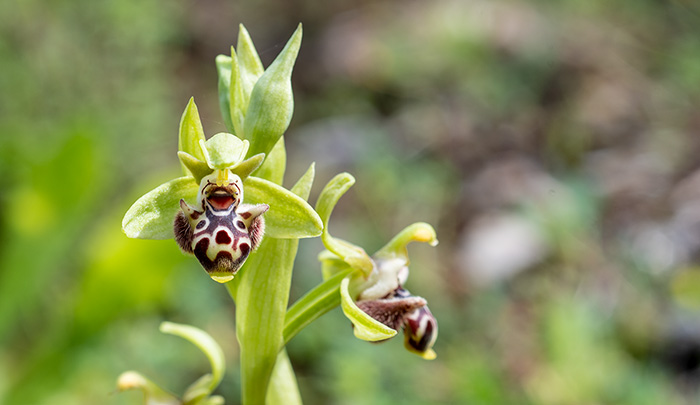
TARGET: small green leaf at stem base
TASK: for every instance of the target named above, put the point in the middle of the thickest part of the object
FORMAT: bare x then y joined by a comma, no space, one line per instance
206,344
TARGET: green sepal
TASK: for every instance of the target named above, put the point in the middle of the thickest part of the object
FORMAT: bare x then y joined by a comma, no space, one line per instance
153,394
208,346
289,215
223,69
365,327
244,168
223,150
197,168
350,253
191,132
331,264
323,298
417,232
274,165
271,101
152,215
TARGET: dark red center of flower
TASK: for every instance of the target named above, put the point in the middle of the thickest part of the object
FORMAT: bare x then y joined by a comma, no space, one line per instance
221,200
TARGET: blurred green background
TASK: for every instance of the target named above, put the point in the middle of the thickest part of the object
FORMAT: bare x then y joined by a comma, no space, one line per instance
554,146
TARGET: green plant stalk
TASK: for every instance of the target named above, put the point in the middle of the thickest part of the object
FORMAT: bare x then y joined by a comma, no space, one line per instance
261,302
317,302
261,292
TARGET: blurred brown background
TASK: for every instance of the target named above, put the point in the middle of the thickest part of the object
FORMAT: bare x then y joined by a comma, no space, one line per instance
553,145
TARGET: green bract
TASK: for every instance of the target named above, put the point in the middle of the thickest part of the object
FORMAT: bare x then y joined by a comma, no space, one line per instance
257,106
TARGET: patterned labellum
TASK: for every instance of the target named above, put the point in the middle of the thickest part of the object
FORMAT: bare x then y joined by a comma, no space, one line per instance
220,231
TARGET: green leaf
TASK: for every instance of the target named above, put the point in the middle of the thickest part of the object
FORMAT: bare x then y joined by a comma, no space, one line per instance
275,163
224,150
191,133
283,389
271,101
153,394
365,327
352,254
198,390
417,232
152,215
206,344
196,167
289,215
244,168
315,303
223,69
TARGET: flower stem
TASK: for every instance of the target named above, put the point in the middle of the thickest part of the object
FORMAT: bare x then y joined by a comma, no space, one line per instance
313,305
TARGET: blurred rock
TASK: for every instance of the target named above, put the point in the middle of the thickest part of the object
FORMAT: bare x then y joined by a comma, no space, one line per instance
497,247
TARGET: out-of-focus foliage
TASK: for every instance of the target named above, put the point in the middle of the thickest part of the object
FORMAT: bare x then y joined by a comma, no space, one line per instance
553,144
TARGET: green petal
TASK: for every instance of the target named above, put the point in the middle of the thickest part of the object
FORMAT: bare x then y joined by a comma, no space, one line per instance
352,254
272,102
153,394
365,327
152,215
196,167
206,344
245,168
274,166
418,232
224,150
191,133
289,215
223,68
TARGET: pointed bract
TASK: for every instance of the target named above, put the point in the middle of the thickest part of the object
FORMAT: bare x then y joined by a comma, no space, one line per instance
271,101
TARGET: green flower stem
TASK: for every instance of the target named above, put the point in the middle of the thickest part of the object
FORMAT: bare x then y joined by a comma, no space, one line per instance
261,292
314,304
257,292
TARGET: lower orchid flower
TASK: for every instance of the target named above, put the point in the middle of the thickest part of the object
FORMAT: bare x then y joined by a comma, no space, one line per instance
373,296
